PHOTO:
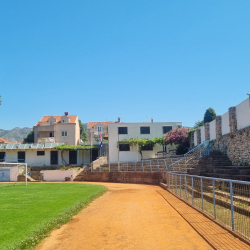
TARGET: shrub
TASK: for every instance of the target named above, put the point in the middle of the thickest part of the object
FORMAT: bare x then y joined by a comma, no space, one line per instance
209,115
179,136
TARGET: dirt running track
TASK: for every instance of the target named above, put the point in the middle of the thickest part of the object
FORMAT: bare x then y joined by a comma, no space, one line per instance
136,217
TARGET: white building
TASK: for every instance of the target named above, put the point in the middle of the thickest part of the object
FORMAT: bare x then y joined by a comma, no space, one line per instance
151,130
44,154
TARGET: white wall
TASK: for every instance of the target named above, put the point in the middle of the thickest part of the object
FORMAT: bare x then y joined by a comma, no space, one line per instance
202,134
57,175
243,114
195,138
225,123
10,156
134,132
213,130
32,159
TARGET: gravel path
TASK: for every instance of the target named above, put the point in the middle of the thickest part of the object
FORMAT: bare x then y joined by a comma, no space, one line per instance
131,216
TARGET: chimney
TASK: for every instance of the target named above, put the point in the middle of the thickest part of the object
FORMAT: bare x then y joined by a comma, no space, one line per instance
66,113
152,120
119,119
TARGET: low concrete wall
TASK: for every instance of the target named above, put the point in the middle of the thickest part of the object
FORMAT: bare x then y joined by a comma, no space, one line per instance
124,177
57,175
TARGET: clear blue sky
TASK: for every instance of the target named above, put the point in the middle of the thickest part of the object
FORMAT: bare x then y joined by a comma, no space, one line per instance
170,60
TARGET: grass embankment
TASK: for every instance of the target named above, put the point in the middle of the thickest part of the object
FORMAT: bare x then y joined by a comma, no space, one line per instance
29,213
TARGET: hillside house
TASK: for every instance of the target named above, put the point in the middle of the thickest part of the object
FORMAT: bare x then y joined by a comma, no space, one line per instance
95,128
64,129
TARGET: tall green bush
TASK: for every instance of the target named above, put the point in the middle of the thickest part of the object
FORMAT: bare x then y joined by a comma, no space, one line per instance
209,115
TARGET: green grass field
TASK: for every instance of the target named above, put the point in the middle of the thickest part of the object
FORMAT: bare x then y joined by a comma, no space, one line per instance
29,213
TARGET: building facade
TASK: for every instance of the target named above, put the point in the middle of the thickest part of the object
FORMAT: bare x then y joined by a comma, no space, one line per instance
150,130
44,154
64,129
95,128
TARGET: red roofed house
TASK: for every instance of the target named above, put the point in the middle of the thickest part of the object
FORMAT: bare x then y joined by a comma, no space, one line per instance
5,141
64,129
95,128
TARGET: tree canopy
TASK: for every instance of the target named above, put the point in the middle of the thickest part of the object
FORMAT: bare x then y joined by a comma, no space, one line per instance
209,115
199,124
29,138
83,133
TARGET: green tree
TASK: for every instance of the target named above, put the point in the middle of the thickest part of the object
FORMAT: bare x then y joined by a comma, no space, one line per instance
83,133
29,138
209,115
199,124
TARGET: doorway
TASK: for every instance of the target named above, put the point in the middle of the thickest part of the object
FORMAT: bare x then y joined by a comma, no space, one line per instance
73,157
94,154
53,157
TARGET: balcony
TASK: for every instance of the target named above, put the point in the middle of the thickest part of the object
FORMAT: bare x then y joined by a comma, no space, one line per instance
46,127
46,139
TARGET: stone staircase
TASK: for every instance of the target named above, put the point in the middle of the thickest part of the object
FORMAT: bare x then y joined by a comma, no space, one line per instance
219,166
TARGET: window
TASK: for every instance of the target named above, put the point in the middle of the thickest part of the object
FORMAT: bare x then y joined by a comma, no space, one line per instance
62,121
40,153
2,156
64,133
99,129
122,130
147,147
145,130
166,129
20,157
51,123
124,147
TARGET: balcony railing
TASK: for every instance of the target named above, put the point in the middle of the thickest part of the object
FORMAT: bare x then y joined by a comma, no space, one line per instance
46,139
47,127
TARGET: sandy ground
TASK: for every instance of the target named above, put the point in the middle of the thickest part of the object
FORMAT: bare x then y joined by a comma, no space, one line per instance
131,216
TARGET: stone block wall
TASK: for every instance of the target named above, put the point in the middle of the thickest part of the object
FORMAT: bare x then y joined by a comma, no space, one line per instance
198,136
207,131
232,120
237,146
218,127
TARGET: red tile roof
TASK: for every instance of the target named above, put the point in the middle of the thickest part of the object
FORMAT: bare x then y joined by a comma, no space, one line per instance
92,124
4,141
72,118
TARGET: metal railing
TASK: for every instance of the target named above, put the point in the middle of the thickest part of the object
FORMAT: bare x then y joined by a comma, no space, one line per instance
227,201
190,159
154,165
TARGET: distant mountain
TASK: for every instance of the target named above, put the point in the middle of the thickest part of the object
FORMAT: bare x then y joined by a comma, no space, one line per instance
15,134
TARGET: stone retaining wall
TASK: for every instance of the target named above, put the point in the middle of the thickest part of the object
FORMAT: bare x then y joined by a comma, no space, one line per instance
237,146
123,177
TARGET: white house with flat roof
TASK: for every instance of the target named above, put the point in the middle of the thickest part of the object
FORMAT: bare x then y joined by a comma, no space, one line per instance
125,152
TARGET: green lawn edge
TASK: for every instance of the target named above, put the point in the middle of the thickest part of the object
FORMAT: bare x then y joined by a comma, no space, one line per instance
35,238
